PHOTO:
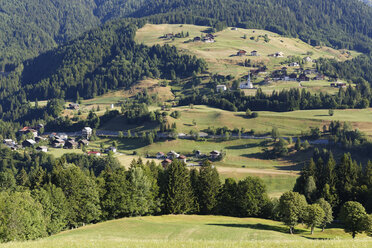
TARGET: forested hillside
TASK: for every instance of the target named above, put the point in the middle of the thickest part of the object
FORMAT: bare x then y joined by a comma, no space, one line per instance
102,59
28,27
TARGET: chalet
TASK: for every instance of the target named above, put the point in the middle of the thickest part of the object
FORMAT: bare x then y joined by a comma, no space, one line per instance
294,64
165,163
211,36
234,29
83,142
94,153
277,55
214,154
254,53
172,155
292,77
58,143
241,53
70,144
26,130
197,39
111,149
160,155
182,158
42,149
220,88
39,126
28,143
208,40
87,132
74,106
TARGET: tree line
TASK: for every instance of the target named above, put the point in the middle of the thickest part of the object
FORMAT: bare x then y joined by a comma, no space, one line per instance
41,195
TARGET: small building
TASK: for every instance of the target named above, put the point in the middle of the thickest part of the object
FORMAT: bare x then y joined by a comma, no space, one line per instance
254,53
197,39
9,142
182,158
221,88
70,144
87,132
83,142
94,153
160,155
165,163
234,29
172,155
28,143
294,64
169,36
214,154
111,149
338,85
42,149
74,106
303,77
58,143
26,130
241,53
198,154
319,77
208,40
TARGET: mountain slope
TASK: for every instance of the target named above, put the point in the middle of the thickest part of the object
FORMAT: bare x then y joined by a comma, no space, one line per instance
29,27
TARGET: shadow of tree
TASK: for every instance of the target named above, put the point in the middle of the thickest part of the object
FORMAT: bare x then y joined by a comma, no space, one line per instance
260,227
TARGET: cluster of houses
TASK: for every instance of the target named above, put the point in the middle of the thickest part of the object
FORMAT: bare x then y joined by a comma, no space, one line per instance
172,155
244,53
209,38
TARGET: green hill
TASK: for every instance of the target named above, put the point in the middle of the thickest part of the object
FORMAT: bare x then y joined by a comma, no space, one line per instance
194,231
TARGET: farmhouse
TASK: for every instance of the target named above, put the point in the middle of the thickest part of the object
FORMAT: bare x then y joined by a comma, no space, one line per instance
294,64
241,53
208,40
182,158
277,55
308,59
338,85
319,77
58,143
303,77
42,149
172,155
234,29
28,143
39,139
87,132
70,144
160,155
9,142
221,88
26,130
198,154
165,163
254,53
214,154
168,36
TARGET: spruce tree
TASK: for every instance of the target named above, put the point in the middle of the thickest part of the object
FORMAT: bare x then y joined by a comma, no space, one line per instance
179,198
208,188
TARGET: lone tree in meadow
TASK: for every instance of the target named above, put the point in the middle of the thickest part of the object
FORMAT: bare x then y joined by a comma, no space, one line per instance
292,207
354,217
314,216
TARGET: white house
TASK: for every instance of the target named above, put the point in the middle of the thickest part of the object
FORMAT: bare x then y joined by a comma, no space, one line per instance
294,64
172,155
308,59
221,87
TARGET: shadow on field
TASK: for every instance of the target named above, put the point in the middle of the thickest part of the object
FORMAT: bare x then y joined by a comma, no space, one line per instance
260,227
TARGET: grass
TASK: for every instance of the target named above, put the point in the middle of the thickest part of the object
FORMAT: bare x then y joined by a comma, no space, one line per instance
194,231
220,55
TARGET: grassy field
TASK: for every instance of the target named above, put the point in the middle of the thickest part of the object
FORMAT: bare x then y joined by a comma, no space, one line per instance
221,54
194,231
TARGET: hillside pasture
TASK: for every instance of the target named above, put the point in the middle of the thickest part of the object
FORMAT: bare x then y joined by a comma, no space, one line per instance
194,231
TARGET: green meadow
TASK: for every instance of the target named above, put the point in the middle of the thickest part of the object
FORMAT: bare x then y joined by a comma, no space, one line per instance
194,231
